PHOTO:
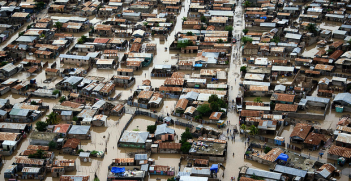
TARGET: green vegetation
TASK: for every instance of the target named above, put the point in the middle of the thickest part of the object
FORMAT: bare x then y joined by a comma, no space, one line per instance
204,109
29,26
21,33
171,179
63,98
184,18
75,118
136,129
52,118
256,177
39,154
328,10
80,150
216,102
58,25
203,19
258,100
247,3
94,152
184,138
245,31
39,6
189,33
151,128
228,28
312,28
96,179
145,23
330,51
33,103
198,117
267,149
42,36
243,68
246,39
184,43
180,111
220,40
52,145
275,39
3,63
41,126
202,28
82,39
253,130
55,92
243,127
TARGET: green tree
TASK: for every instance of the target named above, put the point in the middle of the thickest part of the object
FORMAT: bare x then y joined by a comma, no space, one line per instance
189,33
215,107
204,109
275,39
213,98
80,150
246,39
203,19
258,100
185,147
184,18
245,31
267,149
198,117
52,118
243,68
3,63
247,3
75,118
145,23
220,40
82,39
52,144
253,130
39,5
151,128
58,25
186,135
256,177
55,92
63,98
312,28
228,28
33,103
41,126
40,154
96,179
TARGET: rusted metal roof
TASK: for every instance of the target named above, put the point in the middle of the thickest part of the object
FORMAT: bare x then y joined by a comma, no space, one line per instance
216,115
182,103
61,128
211,140
72,143
174,81
118,107
108,88
249,113
169,145
324,67
8,136
103,27
259,88
340,151
201,161
145,94
315,139
63,163
74,178
70,104
101,40
124,160
336,54
170,89
272,155
282,97
28,161
286,107
37,147
301,130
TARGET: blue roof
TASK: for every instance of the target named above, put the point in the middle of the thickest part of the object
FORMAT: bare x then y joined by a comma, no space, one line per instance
290,171
283,157
162,129
345,97
140,157
19,112
66,113
74,57
78,129
118,169
214,168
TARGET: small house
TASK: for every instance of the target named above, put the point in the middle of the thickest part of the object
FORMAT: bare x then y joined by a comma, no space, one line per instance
107,90
61,129
164,133
103,30
84,156
125,72
71,146
68,165
300,132
181,105
144,96
80,132
42,138
99,120
215,117
118,109
105,63
66,116
169,148
133,139
314,141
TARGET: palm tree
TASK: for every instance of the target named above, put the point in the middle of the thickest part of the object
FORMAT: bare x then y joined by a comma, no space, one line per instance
258,100
253,130
52,118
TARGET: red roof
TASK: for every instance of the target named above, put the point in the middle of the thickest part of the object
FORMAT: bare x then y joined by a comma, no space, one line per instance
61,128
101,40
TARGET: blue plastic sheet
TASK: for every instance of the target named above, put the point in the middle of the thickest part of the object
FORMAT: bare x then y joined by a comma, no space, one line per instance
214,168
283,157
118,170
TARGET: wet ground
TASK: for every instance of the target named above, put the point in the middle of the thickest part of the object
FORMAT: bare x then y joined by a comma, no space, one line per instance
107,137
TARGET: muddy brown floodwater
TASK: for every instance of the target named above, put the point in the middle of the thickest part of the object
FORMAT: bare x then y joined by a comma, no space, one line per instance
107,137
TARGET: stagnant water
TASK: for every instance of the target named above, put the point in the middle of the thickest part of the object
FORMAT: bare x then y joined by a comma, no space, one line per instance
114,126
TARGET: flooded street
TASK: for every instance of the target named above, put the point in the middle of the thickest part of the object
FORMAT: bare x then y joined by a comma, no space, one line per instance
105,138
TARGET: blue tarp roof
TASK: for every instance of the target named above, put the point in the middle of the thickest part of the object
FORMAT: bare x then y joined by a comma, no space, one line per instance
118,170
198,65
283,157
214,167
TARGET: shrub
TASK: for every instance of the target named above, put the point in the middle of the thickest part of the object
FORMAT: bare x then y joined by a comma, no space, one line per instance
41,126
267,149
151,128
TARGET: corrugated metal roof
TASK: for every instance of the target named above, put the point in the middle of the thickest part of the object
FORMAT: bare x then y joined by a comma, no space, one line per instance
134,136
290,171
264,174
